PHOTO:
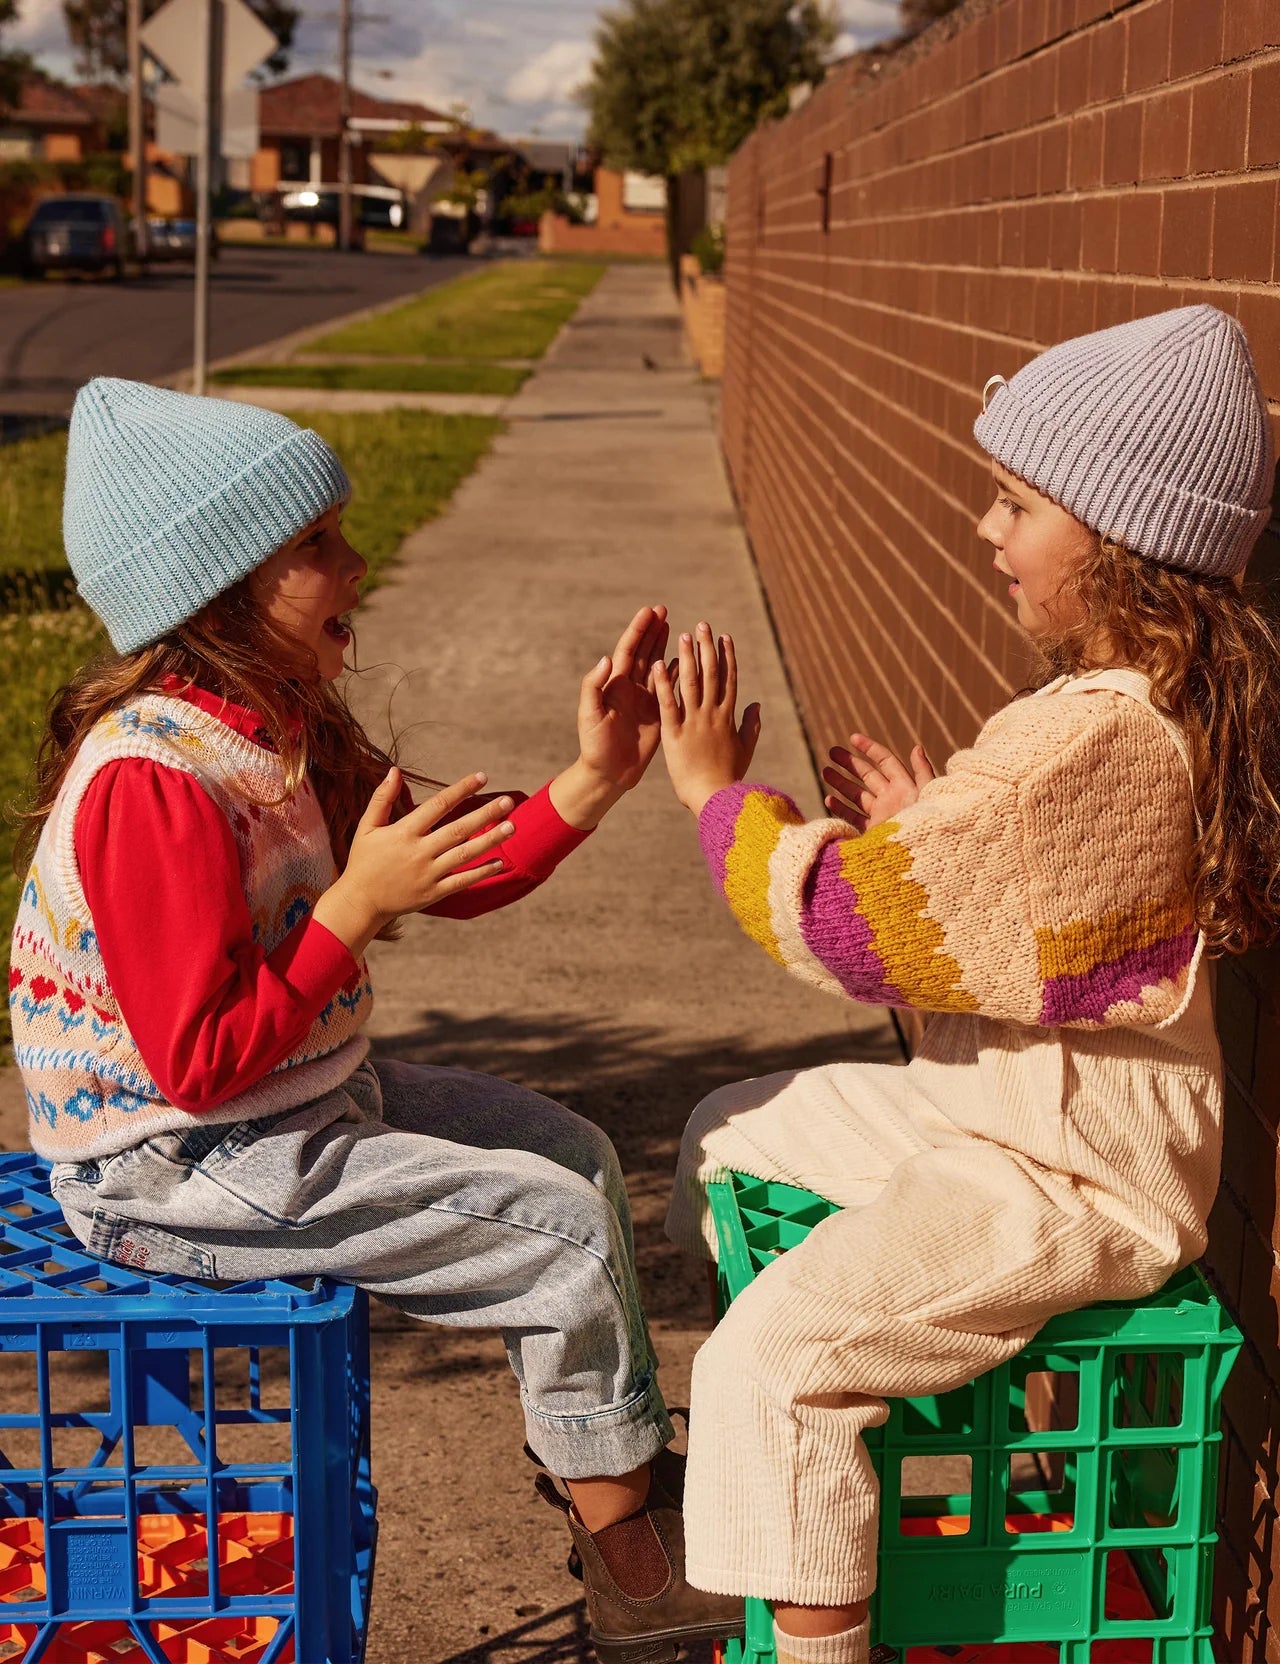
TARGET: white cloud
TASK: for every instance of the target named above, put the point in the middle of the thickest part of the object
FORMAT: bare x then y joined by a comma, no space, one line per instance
39,28
867,21
553,75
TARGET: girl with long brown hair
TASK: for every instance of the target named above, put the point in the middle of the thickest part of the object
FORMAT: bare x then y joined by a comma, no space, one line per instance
1049,901
214,843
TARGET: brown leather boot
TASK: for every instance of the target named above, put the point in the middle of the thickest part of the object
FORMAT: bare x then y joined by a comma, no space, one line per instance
639,1607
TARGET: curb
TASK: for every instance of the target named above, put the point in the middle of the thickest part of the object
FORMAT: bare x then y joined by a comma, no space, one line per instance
284,346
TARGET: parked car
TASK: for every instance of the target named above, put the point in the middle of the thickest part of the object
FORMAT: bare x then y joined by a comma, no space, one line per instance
75,233
372,205
176,239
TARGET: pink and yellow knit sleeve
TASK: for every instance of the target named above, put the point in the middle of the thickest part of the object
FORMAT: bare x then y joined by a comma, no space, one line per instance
1035,888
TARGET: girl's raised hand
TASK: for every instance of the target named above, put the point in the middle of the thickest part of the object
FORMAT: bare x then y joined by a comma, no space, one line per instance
618,723
705,746
869,783
401,866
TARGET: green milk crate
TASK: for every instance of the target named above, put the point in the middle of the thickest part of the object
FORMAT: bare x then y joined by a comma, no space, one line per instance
1076,1520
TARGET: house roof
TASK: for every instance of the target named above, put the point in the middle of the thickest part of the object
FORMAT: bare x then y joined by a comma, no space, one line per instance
310,105
44,103
101,99
549,155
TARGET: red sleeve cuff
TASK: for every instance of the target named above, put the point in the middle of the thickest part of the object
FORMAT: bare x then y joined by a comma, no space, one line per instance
313,964
542,838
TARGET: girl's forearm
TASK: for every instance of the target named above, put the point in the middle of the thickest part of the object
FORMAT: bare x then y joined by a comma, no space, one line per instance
583,798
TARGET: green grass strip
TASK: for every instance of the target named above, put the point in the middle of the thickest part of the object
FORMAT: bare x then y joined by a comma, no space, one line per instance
31,504
511,310
488,380
404,467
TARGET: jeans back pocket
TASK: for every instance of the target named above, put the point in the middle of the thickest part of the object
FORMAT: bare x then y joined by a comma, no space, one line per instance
147,1248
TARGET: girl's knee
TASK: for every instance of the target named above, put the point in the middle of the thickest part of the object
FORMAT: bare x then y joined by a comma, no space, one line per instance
752,1348
711,1114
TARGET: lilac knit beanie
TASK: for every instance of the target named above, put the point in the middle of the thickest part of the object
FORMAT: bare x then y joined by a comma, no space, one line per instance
1154,432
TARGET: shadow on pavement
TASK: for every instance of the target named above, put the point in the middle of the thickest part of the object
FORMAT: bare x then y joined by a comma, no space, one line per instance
639,1086
535,1643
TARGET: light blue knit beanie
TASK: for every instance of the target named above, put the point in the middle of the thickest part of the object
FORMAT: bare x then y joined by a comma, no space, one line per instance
170,499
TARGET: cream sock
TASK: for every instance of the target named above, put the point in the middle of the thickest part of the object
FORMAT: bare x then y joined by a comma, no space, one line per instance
851,1646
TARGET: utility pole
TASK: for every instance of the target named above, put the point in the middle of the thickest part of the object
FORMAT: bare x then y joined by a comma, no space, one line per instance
137,132
344,128
206,161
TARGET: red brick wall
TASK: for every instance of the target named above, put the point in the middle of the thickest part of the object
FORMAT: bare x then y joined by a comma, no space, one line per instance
1031,169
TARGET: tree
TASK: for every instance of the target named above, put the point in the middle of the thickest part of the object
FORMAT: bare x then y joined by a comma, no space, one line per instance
13,65
97,31
678,84
917,15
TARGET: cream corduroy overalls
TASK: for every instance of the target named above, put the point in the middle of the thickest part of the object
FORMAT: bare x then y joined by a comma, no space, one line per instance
1008,1173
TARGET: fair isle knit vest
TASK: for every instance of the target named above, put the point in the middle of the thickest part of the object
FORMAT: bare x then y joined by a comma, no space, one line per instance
89,1093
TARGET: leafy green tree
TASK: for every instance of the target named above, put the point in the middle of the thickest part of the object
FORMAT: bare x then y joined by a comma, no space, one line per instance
678,84
98,34
13,65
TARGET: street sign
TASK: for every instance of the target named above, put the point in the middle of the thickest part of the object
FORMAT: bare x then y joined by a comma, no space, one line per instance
176,37
178,117
207,47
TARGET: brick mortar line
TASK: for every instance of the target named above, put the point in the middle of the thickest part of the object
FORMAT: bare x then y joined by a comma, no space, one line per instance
802,598
1018,343
973,147
902,612
1075,195
1109,279
1254,288
801,604
927,481
911,679
1140,95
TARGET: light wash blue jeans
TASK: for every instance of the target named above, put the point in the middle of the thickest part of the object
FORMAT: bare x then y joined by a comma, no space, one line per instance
457,1197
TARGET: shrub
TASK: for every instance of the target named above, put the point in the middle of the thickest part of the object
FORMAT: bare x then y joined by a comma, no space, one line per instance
708,246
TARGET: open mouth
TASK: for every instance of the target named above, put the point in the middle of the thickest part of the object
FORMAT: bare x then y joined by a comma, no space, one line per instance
338,628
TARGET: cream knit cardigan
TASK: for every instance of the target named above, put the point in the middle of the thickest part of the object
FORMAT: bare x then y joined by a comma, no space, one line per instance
1035,900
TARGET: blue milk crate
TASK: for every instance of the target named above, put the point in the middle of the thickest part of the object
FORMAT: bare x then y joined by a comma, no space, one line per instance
145,1396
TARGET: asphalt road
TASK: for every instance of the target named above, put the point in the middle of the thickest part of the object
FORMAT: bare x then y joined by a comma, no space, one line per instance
55,335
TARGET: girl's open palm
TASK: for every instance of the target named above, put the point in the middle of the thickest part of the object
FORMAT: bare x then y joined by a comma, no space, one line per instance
869,783
705,746
618,720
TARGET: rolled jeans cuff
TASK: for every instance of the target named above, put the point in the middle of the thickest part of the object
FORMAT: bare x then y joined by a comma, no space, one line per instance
605,1443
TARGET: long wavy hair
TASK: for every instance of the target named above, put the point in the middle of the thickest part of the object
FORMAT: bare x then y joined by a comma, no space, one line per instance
231,649
1212,652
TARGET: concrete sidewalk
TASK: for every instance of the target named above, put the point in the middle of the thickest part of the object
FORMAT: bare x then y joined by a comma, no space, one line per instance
623,987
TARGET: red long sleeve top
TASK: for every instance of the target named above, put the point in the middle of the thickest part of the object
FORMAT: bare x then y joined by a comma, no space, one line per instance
210,1011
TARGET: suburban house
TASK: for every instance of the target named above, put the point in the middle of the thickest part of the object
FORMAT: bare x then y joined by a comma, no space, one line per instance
49,123
299,123
628,217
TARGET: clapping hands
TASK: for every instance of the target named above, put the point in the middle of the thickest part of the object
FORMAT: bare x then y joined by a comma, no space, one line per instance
705,747
618,723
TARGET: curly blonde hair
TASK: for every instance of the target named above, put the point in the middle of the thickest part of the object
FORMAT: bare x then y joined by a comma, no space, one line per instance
1211,649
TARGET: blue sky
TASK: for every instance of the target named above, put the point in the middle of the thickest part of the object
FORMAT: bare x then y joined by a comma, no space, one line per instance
514,62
